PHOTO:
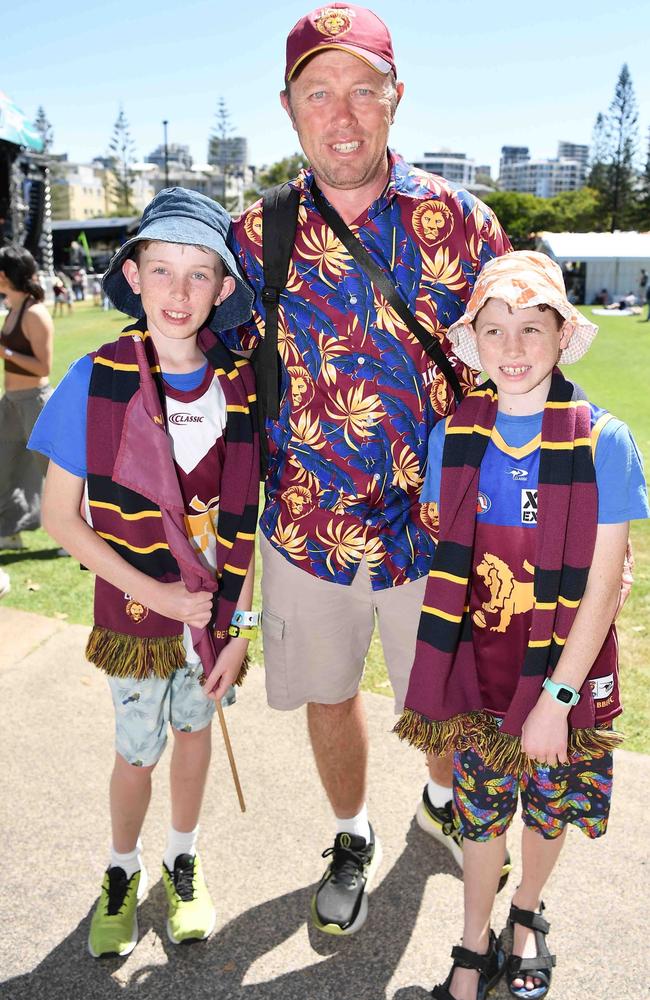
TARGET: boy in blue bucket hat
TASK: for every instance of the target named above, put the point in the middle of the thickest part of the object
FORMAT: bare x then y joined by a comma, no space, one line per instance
153,485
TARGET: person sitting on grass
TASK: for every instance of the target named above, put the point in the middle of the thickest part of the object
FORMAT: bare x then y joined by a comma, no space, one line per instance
154,436
516,662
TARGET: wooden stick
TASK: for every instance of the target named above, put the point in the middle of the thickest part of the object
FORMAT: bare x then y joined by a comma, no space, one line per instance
231,758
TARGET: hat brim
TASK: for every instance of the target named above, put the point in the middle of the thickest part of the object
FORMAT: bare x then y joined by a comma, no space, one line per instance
369,58
232,312
462,338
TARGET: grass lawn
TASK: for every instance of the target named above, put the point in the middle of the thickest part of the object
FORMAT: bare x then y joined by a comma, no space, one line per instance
614,374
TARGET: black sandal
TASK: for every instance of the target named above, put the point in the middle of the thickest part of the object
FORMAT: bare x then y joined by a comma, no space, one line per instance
490,965
539,967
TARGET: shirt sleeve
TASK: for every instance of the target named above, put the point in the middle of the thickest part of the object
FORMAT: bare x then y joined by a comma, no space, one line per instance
245,251
431,488
622,490
60,431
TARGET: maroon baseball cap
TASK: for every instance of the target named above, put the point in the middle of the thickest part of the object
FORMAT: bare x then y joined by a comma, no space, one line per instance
341,26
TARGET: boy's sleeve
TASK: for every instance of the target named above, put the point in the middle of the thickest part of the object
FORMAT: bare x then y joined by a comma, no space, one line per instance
60,431
622,490
431,487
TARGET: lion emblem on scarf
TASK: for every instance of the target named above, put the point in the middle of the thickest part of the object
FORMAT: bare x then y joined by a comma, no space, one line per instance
508,596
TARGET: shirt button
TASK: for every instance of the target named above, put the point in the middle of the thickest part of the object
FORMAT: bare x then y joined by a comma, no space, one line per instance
376,477
360,360
353,300
368,521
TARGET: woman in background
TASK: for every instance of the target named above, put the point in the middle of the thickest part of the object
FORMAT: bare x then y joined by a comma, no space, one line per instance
26,345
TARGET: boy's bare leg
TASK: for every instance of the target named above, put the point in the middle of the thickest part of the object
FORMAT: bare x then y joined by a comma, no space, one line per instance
187,776
441,769
482,864
538,857
130,792
339,738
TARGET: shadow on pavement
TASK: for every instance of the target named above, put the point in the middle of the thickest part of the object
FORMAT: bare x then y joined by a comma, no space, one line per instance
354,968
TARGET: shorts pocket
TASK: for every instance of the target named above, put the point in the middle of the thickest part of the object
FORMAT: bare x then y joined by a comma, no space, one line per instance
272,625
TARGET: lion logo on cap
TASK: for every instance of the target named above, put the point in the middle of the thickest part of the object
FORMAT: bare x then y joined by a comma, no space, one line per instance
432,221
333,21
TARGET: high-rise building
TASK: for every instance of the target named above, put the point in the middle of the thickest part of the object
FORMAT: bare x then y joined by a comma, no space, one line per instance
543,177
454,167
229,154
177,154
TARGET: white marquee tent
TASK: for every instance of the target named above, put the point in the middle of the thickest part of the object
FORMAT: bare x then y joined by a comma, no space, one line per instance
603,260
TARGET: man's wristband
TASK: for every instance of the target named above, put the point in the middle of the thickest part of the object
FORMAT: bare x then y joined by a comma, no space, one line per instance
563,693
244,624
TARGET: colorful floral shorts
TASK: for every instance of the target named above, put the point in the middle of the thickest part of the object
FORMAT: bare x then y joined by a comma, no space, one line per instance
579,793
145,708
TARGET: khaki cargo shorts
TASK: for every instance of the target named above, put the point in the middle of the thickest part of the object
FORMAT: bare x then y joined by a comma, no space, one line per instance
316,633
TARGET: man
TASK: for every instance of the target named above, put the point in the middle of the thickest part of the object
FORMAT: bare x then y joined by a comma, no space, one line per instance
343,538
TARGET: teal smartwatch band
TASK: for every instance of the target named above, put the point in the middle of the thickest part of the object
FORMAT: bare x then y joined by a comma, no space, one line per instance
563,693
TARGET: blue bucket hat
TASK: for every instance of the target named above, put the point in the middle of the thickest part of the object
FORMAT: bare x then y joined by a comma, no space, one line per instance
178,215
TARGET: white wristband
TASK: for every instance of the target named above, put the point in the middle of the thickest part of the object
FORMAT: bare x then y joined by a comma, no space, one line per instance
8,352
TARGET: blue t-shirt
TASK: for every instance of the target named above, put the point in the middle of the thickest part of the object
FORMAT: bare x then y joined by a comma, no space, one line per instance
60,431
622,491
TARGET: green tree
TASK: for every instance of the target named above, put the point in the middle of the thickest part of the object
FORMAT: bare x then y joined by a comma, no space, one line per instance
277,173
622,119
222,149
643,207
44,128
121,158
578,211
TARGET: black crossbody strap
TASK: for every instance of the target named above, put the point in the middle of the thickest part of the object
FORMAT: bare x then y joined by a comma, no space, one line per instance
380,279
279,220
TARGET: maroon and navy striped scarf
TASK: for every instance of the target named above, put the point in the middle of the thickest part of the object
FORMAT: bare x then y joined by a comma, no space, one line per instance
443,707
137,507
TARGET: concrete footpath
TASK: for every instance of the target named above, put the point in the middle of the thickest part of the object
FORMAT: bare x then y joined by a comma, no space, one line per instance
56,753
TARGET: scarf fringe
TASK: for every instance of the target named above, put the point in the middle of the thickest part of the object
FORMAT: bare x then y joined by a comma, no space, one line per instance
440,737
120,655
243,670
499,751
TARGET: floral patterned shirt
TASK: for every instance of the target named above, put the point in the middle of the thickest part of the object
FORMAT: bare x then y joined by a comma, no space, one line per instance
359,395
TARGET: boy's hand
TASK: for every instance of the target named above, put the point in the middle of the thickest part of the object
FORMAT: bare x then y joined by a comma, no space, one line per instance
545,732
173,600
226,669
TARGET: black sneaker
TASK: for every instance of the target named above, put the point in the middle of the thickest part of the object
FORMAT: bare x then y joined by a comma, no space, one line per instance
440,823
340,903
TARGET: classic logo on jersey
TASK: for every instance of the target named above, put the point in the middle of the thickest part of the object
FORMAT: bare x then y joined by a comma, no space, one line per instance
508,596
333,21
529,506
185,418
433,221
602,687
483,503
518,475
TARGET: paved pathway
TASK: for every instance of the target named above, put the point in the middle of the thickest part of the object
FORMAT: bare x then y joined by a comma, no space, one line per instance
56,752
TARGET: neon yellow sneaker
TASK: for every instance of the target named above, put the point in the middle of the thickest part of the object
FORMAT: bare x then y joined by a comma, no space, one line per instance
114,925
191,912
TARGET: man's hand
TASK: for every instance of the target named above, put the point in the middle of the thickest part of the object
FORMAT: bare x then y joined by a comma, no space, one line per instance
173,600
225,671
627,579
545,732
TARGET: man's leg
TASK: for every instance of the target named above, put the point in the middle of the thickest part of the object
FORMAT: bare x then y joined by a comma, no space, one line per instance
316,636
339,739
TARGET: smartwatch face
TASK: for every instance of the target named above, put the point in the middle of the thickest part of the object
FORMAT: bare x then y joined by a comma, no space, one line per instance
563,694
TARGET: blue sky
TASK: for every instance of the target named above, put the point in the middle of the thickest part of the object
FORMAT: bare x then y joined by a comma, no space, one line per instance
477,75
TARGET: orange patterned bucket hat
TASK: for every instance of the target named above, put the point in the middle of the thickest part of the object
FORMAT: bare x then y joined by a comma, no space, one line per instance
523,278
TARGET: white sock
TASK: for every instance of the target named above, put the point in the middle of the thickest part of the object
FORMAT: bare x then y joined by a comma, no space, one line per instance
179,843
439,795
131,862
357,825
